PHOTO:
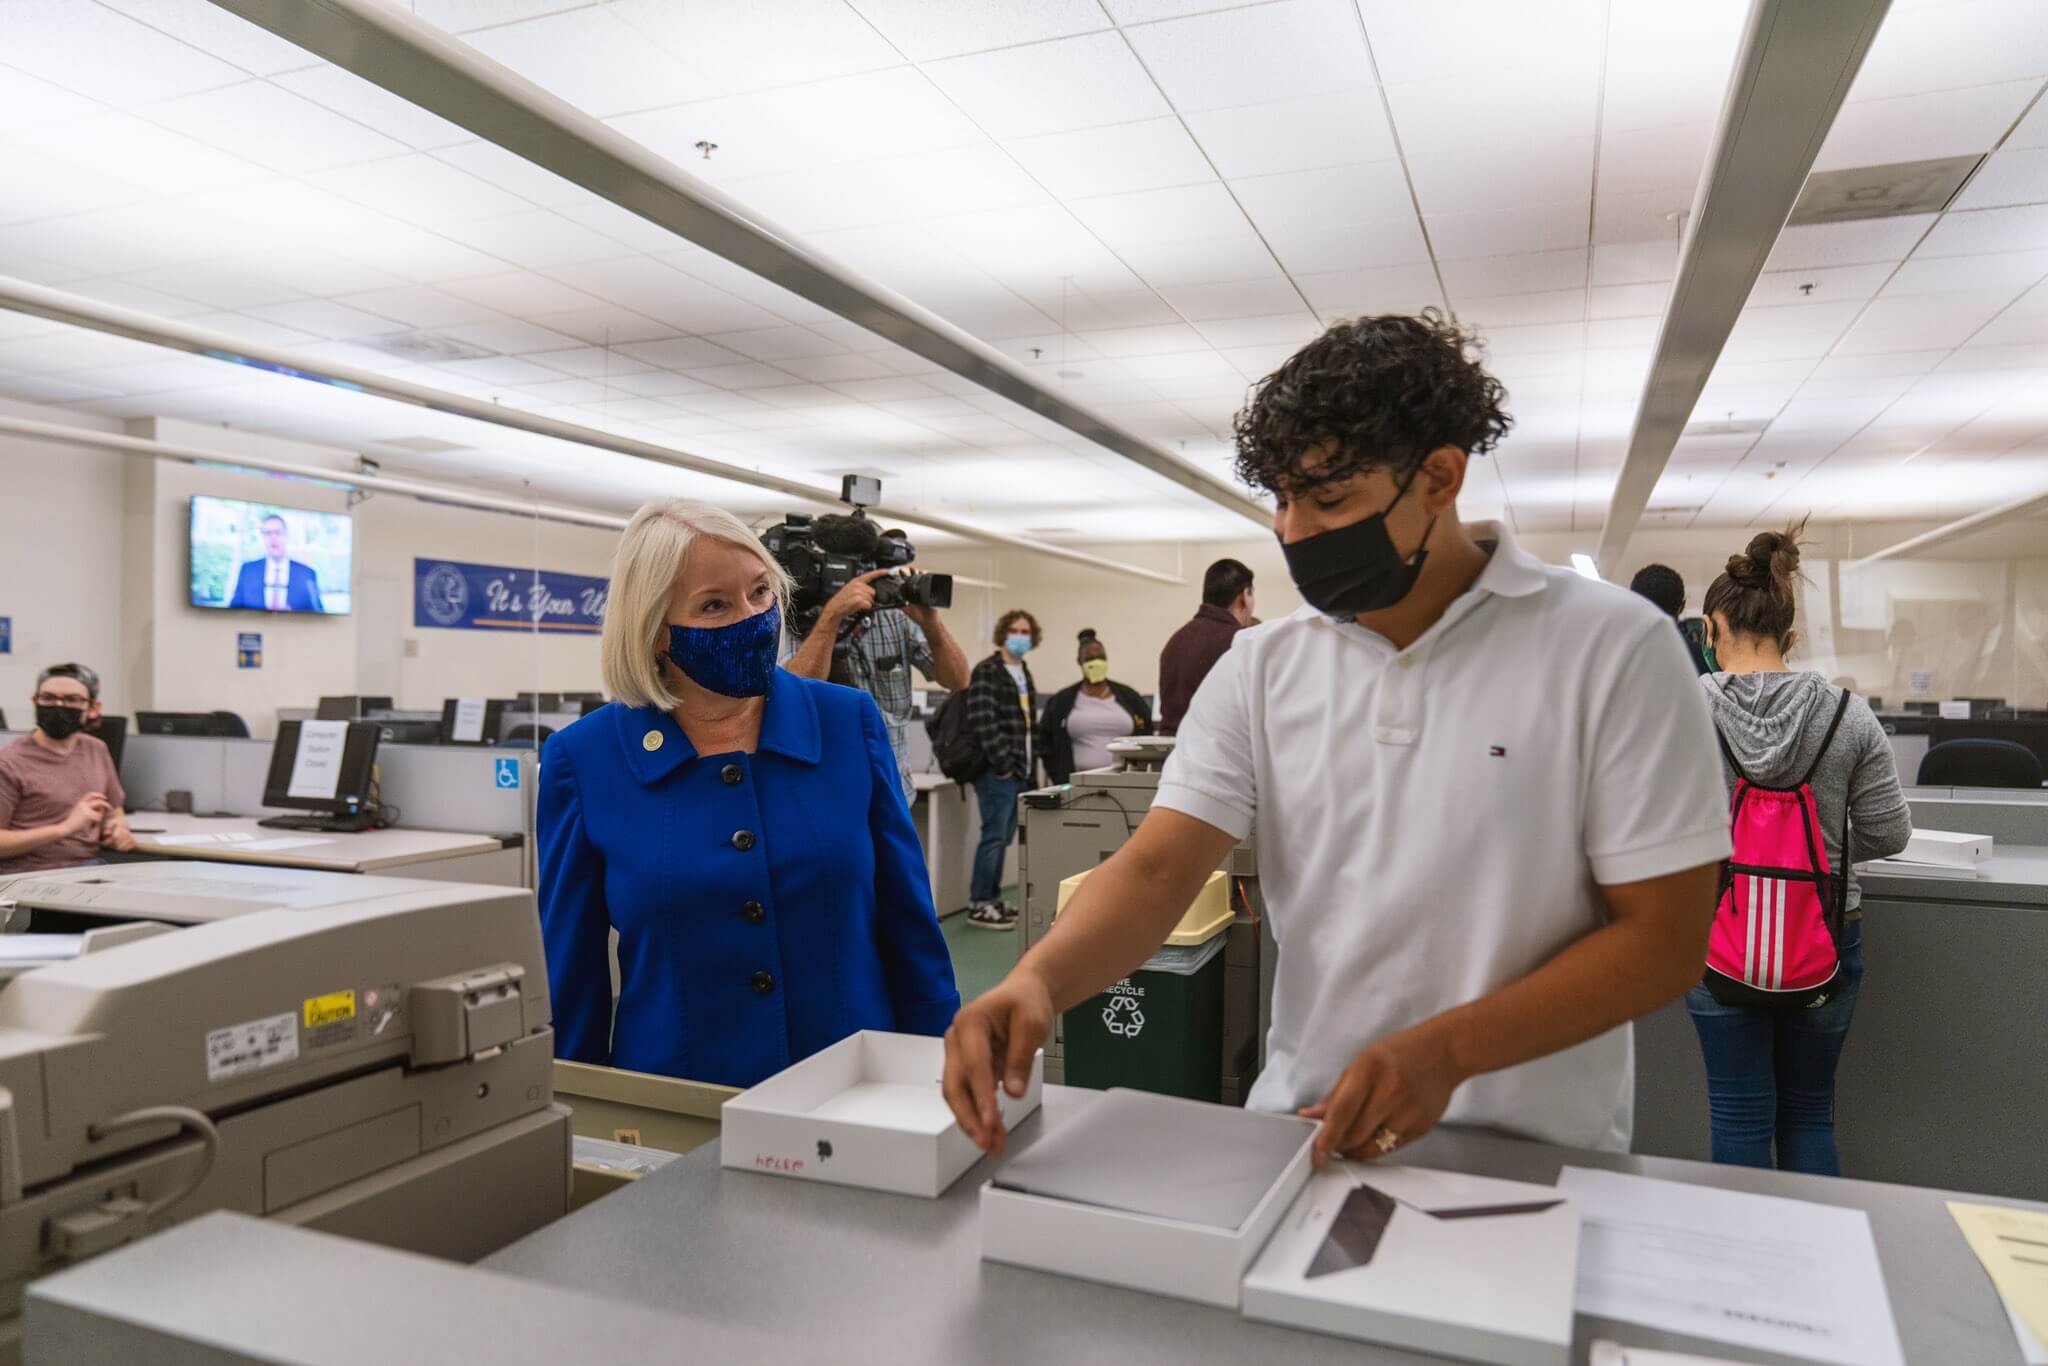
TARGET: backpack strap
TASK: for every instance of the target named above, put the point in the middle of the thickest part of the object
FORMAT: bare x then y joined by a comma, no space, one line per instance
1734,765
1826,740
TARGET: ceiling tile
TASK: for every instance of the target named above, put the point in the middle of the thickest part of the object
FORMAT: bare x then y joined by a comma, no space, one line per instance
1340,196
1247,56
1334,129
1524,228
1321,248
653,383
776,343
128,294
496,166
220,284
125,150
591,58
1848,244
1832,284
1953,46
1102,161
218,33
536,239
834,368
606,325
374,107
1668,64
2033,129
1987,230
1516,274
520,293
1515,310
105,55
1638,217
255,331
1489,38
1146,341
1539,105
1290,329
1052,87
1632,263
1111,312
322,318
510,336
1939,123
2015,175
1356,293
1627,301
417,188
1239,299
26,102
744,45
1183,213
590,362
926,29
1670,156
1490,176
418,306
1237,257
660,292
1923,321
272,127
682,353
2013,272
745,375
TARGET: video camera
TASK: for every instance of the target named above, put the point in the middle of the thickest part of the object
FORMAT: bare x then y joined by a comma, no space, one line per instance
823,554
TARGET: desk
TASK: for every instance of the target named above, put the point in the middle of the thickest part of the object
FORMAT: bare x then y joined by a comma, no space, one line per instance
691,1263
1941,1079
949,824
437,855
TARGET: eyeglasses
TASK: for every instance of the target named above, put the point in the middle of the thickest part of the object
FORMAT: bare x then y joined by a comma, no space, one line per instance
44,699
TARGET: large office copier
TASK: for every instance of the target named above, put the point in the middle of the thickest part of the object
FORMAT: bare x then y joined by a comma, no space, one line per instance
1070,829
365,1056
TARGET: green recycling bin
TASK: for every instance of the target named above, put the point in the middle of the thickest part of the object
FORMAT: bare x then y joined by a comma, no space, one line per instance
1160,1029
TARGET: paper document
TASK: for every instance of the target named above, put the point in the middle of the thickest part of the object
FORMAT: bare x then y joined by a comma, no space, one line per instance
1759,1271
2013,1245
224,837
1607,1353
316,769
2032,1349
469,721
281,842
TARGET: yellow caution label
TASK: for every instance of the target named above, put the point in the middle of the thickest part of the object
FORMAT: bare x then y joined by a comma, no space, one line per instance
335,1006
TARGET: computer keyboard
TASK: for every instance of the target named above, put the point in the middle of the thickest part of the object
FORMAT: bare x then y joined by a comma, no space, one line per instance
328,825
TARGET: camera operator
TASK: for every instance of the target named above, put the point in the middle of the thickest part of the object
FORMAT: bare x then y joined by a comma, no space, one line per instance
881,646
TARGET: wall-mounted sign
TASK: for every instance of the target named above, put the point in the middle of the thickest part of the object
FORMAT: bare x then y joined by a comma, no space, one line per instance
6,635
485,597
248,649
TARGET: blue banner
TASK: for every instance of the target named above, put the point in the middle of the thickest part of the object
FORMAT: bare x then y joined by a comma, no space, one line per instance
249,649
487,597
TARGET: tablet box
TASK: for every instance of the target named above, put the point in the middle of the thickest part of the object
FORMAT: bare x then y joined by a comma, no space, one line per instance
865,1112
1946,847
1456,1270
1133,1148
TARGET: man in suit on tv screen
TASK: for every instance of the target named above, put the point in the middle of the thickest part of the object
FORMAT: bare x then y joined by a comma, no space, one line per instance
276,583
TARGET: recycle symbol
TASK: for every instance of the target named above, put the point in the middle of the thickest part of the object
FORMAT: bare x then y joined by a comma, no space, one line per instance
1122,1016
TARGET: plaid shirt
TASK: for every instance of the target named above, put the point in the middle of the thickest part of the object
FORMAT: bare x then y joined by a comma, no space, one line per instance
998,721
880,662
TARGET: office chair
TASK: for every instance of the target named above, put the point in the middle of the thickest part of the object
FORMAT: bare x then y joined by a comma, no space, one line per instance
229,726
526,737
1980,763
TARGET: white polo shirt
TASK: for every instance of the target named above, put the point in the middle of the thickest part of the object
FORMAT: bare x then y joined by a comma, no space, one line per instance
1435,822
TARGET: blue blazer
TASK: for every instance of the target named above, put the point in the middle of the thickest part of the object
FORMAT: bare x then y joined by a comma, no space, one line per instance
301,589
768,904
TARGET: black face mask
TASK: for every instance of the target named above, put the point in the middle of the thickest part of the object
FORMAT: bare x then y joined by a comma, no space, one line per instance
1355,568
59,723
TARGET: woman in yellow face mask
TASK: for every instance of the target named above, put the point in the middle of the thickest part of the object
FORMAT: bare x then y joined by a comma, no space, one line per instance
1081,721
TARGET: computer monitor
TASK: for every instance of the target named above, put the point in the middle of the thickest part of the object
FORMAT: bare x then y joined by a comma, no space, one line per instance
537,701
112,732
471,720
207,723
404,731
1983,706
351,708
323,766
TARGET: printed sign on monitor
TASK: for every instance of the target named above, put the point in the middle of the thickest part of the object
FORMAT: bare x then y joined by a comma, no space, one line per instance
260,557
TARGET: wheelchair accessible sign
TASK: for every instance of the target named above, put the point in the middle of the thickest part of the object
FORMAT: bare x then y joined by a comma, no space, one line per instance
507,775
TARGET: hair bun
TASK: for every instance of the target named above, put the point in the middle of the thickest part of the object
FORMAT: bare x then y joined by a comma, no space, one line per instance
1087,634
1775,555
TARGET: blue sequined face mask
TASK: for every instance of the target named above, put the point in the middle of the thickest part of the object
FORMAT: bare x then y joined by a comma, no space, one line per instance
735,660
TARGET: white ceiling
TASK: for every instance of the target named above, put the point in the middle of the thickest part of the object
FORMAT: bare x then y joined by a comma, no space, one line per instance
1161,198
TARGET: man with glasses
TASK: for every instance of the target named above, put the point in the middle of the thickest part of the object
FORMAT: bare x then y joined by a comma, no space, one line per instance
60,799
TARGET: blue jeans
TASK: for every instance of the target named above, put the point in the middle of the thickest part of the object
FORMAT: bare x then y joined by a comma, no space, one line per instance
998,798
1771,1073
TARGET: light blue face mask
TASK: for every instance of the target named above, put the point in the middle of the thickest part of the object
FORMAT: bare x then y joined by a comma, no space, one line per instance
1018,645
734,660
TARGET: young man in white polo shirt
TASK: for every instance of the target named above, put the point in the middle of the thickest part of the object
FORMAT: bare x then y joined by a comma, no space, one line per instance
1489,804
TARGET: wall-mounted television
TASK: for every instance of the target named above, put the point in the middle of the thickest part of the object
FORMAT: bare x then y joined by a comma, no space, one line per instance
260,557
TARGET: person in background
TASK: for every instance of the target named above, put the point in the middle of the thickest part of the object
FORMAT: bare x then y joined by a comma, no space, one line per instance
1661,584
276,583
1771,1070
882,648
742,828
1194,649
1081,720
1475,882
60,799
1002,707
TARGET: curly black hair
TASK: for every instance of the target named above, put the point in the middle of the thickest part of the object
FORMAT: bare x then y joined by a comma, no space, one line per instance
1380,393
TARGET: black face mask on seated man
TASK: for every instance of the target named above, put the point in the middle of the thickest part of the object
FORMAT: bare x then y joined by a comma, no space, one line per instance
1357,568
60,723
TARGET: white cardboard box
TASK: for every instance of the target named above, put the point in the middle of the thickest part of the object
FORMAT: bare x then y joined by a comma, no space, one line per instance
1946,847
1189,1261
865,1112
1482,1287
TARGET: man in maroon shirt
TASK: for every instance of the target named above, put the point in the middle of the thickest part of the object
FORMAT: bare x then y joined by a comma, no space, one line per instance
60,800
1194,649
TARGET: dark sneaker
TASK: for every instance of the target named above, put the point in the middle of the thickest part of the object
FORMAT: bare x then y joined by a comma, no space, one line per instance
992,915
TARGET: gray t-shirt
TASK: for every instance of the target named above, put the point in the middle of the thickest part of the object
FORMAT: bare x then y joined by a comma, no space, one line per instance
39,786
1775,722
1094,722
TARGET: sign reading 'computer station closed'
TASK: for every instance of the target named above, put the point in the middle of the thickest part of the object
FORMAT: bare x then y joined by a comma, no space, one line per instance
456,596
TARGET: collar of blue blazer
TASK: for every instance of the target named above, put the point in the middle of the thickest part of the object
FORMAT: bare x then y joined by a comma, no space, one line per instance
789,727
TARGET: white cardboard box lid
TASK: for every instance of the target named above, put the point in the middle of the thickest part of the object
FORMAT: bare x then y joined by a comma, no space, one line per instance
882,1081
1510,1274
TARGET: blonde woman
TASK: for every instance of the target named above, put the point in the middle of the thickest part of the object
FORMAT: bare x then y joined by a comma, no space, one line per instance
743,829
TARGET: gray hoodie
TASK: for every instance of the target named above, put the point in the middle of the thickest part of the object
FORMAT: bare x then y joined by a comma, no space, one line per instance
1775,723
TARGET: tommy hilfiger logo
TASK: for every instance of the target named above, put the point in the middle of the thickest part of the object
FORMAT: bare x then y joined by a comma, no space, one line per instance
1497,751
